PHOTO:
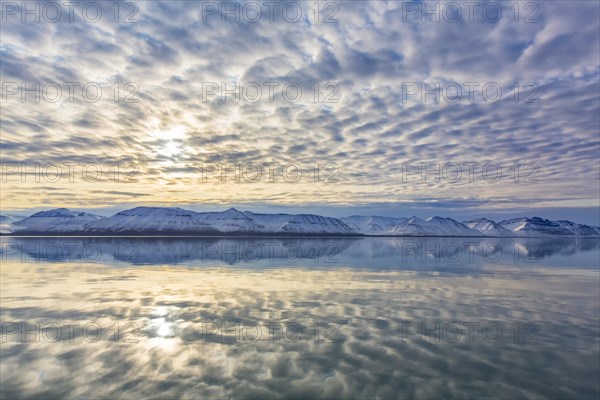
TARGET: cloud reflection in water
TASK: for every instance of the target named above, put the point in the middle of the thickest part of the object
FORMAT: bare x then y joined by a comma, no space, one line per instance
164,314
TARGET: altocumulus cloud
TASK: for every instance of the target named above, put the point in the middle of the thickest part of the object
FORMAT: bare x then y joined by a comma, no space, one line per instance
370,54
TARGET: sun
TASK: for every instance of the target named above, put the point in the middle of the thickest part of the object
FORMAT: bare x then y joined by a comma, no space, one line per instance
172,141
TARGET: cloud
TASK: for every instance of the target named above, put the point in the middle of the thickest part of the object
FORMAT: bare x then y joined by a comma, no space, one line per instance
174,49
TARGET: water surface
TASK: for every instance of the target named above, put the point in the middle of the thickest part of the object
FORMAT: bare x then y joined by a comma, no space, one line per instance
323,318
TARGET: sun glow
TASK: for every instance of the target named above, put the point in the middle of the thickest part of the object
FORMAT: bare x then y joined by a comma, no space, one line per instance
171,141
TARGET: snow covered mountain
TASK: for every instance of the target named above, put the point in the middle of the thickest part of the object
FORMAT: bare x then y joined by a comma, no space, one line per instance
434,226
387,226
6,221
373,225
488,228
178,221
579,229
53,221
141,220
539,227
302,224
152,220
231,221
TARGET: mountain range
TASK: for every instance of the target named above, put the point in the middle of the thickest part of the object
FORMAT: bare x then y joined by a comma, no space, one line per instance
154,221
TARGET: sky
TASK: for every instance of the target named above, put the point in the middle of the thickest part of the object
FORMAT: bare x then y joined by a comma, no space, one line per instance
334,107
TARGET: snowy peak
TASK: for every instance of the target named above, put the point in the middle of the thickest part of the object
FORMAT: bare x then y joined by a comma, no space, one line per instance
372,225
7,219
61,213
488,227
230,221
434,226
415,220
232,213
143,220
302,224
315,224
57,212
539,227
6,222
56,220
579,229
415,226
447,222
533,227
